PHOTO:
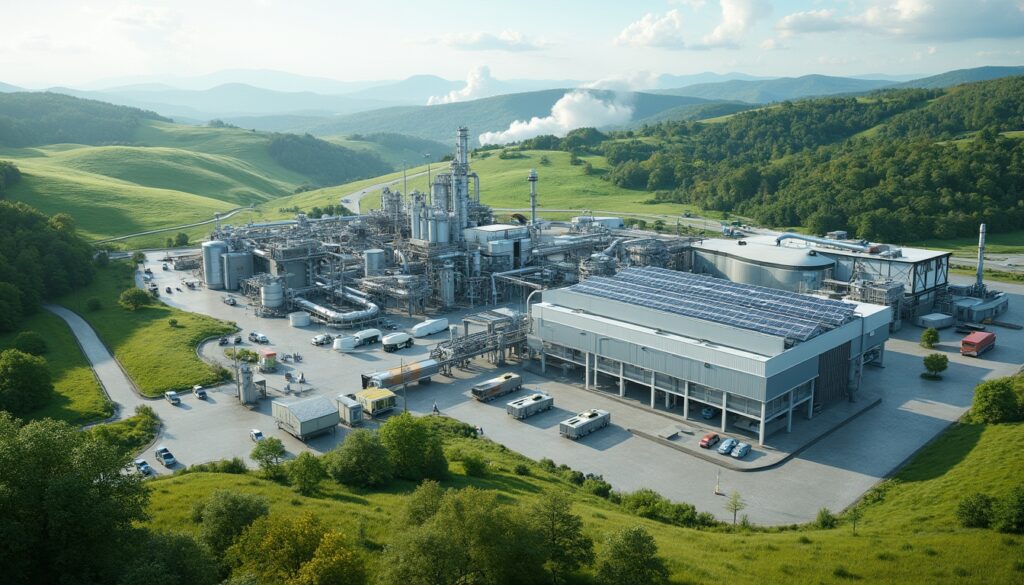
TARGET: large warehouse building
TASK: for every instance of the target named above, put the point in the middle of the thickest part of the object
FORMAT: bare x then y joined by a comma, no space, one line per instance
758,354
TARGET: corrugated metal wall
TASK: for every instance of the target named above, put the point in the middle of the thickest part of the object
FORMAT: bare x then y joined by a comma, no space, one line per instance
833,371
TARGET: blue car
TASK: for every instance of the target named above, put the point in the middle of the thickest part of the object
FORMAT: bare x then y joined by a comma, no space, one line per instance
727,446
741,450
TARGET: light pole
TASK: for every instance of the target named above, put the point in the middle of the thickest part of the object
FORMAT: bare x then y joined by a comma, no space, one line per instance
427,156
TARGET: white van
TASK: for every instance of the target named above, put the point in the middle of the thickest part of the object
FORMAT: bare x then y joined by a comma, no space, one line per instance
396,341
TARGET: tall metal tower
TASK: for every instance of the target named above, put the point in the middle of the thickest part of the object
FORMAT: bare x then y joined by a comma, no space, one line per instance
532,178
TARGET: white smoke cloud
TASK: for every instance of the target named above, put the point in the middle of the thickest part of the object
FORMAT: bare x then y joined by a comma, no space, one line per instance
635,81
576,109
479,84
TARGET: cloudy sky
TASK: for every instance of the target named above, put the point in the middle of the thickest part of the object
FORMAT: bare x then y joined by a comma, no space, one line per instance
62,42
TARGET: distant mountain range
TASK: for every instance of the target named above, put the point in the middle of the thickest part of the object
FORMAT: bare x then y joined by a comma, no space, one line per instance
8,88
951,78
775,90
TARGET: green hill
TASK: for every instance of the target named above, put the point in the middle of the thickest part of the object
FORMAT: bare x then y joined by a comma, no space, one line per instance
776,90
951,78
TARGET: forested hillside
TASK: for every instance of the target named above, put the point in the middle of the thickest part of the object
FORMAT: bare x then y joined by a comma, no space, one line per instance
896,166
33,119
327,164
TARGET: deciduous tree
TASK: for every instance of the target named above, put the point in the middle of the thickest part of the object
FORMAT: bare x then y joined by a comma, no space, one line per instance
361,460
630,557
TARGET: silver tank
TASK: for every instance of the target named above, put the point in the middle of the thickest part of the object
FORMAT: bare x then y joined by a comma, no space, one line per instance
374,261
272,295
237,266
213,264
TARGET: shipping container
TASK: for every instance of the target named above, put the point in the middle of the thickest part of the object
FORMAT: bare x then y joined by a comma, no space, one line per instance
376,401
584,423
977,343
429,327
306,418
415,372
529,405
349,409
495,387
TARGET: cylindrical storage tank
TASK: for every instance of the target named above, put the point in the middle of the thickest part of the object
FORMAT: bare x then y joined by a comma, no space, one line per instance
374,261
298,319
213,263
415,220
448,284
272,295
442,229
237,266
432,229
248,393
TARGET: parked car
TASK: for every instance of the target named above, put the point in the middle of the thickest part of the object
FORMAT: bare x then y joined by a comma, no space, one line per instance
741,450
148,271
165,267
167,289
257,337
230,300
708,412
143,468
172,397
238,339
163,455
322,339
727,446
256,435
710,440
199,392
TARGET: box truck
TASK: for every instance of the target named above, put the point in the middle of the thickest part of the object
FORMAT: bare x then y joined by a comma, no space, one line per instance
977,343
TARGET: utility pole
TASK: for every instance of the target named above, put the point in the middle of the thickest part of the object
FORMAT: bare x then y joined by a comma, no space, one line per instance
405,184
427,156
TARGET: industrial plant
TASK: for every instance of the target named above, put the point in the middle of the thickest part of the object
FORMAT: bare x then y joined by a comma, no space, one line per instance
756,328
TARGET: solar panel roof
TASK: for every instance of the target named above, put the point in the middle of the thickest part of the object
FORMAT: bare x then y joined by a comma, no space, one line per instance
766,310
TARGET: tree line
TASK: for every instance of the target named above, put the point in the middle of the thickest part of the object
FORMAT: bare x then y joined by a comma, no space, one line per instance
35,119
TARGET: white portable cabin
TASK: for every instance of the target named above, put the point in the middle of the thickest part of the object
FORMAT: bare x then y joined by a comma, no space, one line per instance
306,418
349,409
526,406
584,423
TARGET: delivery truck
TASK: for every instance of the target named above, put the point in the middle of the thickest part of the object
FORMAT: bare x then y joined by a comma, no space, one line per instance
527,406
977,343
584,423
490,389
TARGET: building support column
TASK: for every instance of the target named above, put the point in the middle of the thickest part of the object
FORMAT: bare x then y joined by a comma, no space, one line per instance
789,415
652,389
543,362
622,379
686,398
810,403
760,433
667,398
725,401
586,370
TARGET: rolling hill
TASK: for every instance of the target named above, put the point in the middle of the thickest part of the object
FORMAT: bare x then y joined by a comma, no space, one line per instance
775,90
951,78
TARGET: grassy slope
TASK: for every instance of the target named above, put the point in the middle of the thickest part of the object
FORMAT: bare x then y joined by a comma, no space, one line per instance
910,537
1003,243
156,356
79,398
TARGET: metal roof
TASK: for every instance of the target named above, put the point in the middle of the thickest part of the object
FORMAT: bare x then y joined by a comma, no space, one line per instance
771,311
757,251
312,408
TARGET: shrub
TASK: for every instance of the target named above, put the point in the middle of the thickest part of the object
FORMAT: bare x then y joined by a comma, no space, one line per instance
361,460
133,299
598,487
995,401
521,469
575,477
93,304
30,342
975,511
1009,512
547,464
172,322
929,337
936,363
475,465
826,519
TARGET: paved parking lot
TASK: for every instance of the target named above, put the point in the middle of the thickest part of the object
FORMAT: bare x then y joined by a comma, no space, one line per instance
831,473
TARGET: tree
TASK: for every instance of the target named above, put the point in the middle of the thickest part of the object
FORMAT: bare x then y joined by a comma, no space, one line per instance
167,558
975,510
30,342
562,537
93,304
929,337
133,298
67,500
138,257
181,239
225,514
102,259
25,383
361,460
172,323
274,548
826,519
333,563
936,363
421,504
169,242
630,557
268,453
1009,512
10,305
414,448
735,504
659,225
995,402
306,473
855,513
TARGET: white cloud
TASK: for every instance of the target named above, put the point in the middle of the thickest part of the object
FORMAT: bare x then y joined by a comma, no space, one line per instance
694,4
576,109
950,20
772,45
482,41
665,32
479,84
738,16
630,82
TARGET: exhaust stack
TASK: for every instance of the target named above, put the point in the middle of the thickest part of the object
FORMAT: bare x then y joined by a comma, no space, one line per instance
532,178
980,283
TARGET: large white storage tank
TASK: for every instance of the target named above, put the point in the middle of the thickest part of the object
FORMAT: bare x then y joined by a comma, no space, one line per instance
213,263
374,261
237,266
298,319
272,295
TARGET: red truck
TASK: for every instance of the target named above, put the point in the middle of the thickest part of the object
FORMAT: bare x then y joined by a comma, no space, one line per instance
977,343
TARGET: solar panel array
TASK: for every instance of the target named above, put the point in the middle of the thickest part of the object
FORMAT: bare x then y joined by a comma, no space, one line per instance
780,313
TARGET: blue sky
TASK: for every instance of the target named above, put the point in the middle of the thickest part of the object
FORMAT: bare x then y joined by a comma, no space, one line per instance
59,42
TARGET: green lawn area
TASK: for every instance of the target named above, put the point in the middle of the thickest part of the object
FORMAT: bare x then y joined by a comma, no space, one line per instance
909,536
132,433
155,355
993,275
79,398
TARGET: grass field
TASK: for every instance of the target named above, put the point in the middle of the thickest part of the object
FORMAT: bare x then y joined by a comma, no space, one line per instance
991,275
999,243
156,356
909,536
79,398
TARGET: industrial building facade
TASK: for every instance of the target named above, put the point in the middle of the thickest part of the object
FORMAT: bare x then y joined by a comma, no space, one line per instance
758,354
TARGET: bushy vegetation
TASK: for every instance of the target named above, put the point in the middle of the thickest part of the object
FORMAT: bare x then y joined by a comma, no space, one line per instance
40,258
326,163
31,342
25,383
414,448
32,119
9,176
130,434
999,401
